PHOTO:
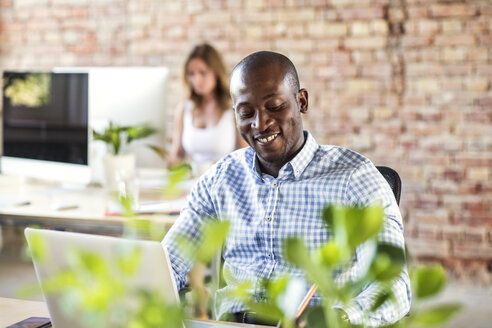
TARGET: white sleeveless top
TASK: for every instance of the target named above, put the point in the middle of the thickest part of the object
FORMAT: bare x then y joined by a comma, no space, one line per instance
208,144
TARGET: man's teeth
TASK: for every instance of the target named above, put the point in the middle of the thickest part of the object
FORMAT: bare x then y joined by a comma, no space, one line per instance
268,139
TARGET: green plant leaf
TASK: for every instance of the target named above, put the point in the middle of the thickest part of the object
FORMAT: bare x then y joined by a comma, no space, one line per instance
161,152
315,317
436,315
296,252
276,287
115,142
266,311
174,176
139,132
353,225
214,234
126,202
129,261
38,247
388,263
428,280
381,298
329,254
114,135
89,262
363,223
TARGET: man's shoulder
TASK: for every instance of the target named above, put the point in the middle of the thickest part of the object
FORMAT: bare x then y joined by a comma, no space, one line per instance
341,156
238,160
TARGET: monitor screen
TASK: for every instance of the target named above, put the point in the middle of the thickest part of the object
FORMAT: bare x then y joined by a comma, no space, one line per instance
45,116
48,116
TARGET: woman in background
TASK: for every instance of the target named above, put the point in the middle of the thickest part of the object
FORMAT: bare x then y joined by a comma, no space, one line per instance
204,127
204,131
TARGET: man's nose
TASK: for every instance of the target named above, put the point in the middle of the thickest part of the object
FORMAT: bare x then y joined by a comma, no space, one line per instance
261,121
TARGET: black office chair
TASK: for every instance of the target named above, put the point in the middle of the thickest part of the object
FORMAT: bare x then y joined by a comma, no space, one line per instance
393,180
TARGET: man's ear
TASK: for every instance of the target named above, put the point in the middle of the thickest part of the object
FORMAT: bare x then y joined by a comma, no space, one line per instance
302,98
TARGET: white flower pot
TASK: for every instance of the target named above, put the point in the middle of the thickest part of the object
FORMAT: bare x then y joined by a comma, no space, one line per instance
118,168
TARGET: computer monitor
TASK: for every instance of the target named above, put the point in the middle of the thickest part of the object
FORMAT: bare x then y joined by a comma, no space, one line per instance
45,125
47,118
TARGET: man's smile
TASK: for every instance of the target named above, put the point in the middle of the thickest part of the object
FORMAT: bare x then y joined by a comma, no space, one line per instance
267,139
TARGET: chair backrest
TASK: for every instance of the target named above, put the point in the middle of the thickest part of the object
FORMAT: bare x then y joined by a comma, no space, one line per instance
393,180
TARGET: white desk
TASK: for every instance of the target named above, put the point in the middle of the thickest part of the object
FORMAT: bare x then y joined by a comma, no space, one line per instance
89,215
14,310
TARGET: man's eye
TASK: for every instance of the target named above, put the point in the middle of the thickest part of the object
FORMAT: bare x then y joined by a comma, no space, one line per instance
244,112
275,108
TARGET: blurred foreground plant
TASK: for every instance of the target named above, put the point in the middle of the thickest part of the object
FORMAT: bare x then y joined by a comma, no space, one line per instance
350,227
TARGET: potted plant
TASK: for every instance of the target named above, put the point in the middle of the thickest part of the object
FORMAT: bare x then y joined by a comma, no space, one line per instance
118,165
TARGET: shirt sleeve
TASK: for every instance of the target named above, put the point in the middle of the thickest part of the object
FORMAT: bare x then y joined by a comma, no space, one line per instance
199,208
367,186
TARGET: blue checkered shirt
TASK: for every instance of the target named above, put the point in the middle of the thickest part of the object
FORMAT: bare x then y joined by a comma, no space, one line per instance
264,210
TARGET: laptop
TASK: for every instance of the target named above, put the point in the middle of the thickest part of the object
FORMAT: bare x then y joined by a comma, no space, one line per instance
54,257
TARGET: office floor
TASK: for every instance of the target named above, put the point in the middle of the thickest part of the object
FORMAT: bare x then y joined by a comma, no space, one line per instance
16,273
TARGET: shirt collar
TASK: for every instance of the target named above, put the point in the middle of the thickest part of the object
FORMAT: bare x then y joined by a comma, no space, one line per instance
305,156
298,163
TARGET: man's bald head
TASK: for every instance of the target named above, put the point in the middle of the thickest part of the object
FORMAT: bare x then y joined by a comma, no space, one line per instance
263,59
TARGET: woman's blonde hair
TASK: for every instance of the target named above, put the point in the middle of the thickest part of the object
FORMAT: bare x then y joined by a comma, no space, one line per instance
213,60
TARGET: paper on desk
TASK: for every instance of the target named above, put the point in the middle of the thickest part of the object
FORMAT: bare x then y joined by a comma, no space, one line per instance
6,201
163,206
150,207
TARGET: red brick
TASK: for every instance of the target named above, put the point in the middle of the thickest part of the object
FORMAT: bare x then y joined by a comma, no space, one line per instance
455,40
468,251
476,205
382,71
485,40
416,41
327,44
473,159
452,10
453,232
457,69
438,216
428,231
485,70
427,27
475,218
374,42
485,101
340,57
361,13
486,9
431,248
414,100
418,12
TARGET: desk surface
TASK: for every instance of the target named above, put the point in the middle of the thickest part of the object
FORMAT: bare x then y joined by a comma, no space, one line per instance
14,310
89,214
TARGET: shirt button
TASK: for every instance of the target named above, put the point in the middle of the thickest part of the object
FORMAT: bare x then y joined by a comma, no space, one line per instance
274,184
268,219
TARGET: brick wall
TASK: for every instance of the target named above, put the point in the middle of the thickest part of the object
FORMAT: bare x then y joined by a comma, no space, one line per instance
405,82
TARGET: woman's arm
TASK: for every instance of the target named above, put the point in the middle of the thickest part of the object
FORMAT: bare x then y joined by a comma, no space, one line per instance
177,153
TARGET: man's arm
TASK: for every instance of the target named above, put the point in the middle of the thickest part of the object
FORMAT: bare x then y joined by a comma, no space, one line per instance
188,227
367,187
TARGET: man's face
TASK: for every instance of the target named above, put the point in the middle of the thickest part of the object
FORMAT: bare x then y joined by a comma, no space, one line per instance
268,114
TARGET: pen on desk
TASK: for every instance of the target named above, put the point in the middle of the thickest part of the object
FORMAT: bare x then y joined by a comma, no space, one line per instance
303,305
305,301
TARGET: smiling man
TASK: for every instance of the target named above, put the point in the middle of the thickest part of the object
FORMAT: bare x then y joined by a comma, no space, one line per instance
268,107
277,188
